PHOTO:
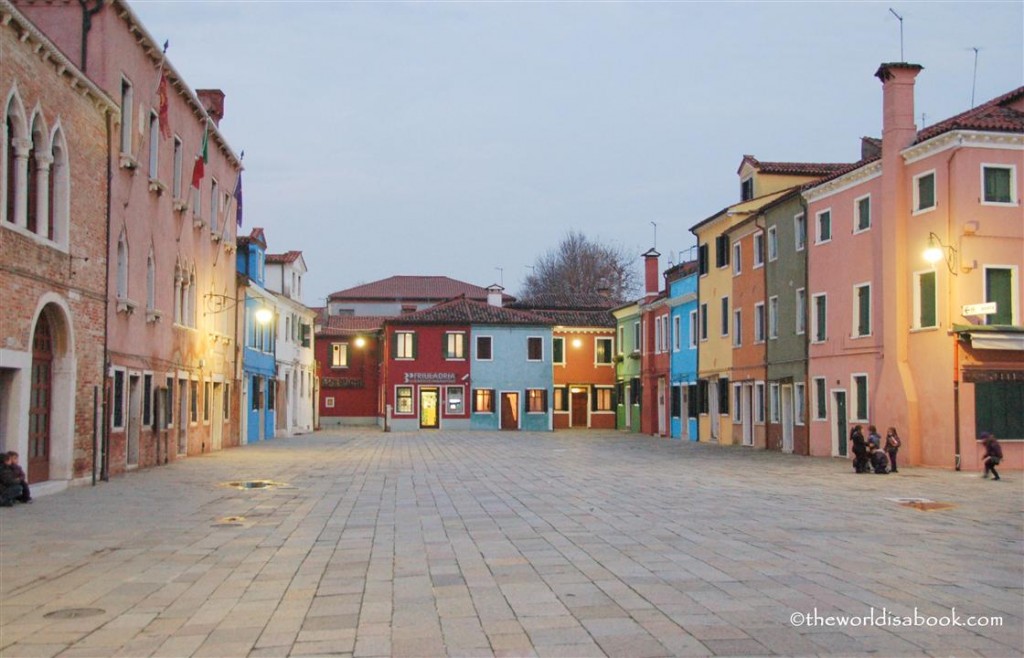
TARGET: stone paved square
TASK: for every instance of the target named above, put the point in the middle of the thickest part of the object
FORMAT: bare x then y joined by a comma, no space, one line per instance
513,544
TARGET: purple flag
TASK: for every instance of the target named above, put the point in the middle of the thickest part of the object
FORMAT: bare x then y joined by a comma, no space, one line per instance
238,199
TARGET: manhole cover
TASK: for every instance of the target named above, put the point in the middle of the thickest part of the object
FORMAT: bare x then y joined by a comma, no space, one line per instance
74,613
255,484
229,521
927,506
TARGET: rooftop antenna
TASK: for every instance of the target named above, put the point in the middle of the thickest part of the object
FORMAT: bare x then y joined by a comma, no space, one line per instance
501,276
974,80
655,225
900,18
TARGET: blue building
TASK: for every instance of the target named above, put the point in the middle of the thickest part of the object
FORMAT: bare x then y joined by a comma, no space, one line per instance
682,289
259,373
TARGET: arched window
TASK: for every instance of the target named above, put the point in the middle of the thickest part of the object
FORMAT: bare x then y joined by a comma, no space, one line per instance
150,282
178,284
122,266
60,190
10,168
192,299
15,133
33,220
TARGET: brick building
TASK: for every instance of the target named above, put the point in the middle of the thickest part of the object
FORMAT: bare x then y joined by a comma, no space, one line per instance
52,261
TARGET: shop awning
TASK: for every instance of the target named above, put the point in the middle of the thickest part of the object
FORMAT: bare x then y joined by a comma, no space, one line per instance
992,337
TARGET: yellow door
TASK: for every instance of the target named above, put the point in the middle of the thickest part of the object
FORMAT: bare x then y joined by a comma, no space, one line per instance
428,408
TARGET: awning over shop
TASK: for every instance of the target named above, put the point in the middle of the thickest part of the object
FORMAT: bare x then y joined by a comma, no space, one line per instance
992,337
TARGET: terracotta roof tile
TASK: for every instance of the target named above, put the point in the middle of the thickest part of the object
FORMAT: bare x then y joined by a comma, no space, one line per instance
578,301
347,325
410,288
462,310
287,257
1001,114
794,168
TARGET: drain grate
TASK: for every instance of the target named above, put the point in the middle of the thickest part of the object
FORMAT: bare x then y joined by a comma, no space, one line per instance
74,613
254,484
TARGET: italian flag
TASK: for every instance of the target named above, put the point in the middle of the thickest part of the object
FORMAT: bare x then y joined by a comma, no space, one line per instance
199,169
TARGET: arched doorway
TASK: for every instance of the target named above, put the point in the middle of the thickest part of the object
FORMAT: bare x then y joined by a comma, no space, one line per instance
40,402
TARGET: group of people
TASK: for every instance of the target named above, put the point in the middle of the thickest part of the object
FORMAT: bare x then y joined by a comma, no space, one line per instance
13,483
870,454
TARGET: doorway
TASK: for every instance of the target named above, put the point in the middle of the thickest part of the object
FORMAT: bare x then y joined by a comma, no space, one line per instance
429,418
40,402
509,411
662,411
787,418
134,420
716,422
747,413
578,404
217,427
839,429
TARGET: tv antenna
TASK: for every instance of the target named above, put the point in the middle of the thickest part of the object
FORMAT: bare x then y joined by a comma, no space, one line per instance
900,19
974,79
501,276
655,225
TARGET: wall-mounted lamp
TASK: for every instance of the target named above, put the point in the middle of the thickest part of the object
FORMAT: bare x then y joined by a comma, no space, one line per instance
577,343
263,315
937,251
360,341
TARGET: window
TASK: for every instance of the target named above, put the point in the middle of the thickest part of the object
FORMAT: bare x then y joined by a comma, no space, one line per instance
214,204
536,400
455,397
455,345
604,399
255,388
636,336
657,334
723,396
773,243
603,348
693,330
119,399
534,348
798,403
702,260
127,122
193,395
702,396
150,282
819,321
207,387
860,398
773,317
622,338
147,399
924,192
758,250
560,402
339,355
558,350
178,165
800,232
999,288
737,327
773,403
691,401
271,393
169,399
747,189
759,322
405,345
329,402
737,258
824,225
725,316
820,399
737,403
721,251
991,400
703,321
403,399
759,402
862,214
483,348
227,402
677,332
925,300
483,400
862,310
122,266
154,146
635,391
998,183
801,311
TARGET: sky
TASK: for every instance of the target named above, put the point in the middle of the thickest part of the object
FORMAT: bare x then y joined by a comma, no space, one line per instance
466,139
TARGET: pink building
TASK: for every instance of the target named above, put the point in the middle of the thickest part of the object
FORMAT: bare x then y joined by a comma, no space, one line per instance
894,340
172,339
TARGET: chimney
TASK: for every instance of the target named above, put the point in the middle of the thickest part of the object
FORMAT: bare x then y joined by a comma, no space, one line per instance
212,101
651,273
494,295
898,129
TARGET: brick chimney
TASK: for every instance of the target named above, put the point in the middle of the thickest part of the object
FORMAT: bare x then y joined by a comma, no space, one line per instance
651,273
898,129
212,101
494,295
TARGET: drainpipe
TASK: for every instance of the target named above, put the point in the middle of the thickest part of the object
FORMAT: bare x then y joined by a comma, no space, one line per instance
949,308
105,438
87,15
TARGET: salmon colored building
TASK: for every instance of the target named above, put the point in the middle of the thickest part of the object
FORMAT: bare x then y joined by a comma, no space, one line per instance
930,345
171,331
749,330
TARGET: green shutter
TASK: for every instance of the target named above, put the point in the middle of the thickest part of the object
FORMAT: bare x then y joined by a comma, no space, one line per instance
995,403
819,393
820,309
558,350
926,191
926,292
863,311
997,289
997,185
862,397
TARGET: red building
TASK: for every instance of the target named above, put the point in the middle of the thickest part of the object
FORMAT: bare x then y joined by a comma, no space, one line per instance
656,351
348,353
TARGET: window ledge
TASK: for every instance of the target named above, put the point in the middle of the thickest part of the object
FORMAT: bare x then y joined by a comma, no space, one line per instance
198,223
215,237
126,161
179,205
919,330
1000,204
157,187
229,247
126,306
153,315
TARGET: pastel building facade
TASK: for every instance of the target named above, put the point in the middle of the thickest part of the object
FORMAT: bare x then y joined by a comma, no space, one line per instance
348,355
627,370
749,330
296,365
53,247
655,350
257,316
682,301
170,333
926,353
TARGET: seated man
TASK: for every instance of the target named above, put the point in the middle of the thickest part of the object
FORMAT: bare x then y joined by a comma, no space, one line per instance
879,461
10,484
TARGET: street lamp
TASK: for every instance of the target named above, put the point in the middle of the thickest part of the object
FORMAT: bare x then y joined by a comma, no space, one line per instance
360,341
937,251
263,315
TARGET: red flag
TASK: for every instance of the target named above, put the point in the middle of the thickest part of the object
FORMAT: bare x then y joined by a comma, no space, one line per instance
165,124
199,170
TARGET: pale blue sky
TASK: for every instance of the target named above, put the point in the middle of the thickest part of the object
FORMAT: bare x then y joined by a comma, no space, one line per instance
456,138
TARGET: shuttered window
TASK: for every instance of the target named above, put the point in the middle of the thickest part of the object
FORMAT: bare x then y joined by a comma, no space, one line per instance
993,405
997,185
998,289
926,315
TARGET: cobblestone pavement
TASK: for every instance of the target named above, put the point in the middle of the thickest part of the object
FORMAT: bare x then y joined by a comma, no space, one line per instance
478,544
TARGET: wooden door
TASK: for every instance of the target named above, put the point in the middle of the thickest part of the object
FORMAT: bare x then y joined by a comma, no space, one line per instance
509,411
40,402
579,407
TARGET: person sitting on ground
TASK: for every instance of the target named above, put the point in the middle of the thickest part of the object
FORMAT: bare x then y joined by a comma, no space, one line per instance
10,485
993,454
879,460
26,496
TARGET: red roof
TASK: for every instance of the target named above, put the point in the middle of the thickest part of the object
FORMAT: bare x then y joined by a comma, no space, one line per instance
469,311
347,325
1002,114
794,168
287,257
412,288
256,236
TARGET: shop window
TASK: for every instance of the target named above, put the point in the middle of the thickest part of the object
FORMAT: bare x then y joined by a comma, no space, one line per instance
992,402
454,395
403,400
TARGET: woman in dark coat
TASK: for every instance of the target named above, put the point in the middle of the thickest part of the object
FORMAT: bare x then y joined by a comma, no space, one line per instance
860,450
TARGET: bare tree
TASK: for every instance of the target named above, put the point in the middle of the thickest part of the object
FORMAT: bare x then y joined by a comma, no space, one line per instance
580,266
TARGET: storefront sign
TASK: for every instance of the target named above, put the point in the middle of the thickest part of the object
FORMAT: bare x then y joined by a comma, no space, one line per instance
341,382
986,376
430,378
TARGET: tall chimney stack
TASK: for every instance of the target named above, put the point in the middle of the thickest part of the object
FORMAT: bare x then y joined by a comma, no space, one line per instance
651,273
